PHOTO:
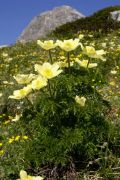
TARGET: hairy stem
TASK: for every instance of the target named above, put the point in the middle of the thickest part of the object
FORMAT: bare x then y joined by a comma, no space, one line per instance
49,88
68,59
50,56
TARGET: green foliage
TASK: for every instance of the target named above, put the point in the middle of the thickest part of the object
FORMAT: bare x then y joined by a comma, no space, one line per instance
54,130
58,128
99,21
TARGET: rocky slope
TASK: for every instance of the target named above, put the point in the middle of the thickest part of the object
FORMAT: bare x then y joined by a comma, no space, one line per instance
43,24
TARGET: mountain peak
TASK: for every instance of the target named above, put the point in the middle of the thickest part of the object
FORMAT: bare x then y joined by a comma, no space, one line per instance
46,22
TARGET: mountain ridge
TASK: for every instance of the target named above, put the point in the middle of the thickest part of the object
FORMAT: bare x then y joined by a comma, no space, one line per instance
44,23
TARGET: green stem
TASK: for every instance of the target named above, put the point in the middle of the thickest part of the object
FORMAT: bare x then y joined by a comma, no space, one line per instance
50,56
88,63
96,73
106,155
32,105
29,101
49,88
94,91
87,67
115,62
68,56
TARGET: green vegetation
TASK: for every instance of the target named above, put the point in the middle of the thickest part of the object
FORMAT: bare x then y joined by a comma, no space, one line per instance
99,21
67,127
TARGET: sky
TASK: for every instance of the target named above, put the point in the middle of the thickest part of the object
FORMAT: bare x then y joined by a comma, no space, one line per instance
15,15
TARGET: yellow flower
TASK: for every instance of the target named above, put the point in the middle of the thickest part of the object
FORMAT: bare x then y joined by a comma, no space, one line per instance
39,83
64,64
6,122
112,83
8,59
81,36
90,35
103,45
2,152
7,83
10,117
84,63
117,67
4,54
47,45
10,140
1,94
47,70
17,138
20,94
92,65
25,137
80,100
117,115
24,78
16,118
68,45
62,57
1,144
118,48
99,54
91,52
24,176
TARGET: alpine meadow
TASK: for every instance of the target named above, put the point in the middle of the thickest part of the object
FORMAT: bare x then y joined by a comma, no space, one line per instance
60,103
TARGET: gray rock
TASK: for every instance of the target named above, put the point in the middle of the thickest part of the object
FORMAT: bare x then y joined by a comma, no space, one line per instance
115,15
46,22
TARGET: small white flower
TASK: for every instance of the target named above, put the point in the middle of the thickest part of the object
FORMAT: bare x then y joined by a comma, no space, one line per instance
81,36
4,54
113,72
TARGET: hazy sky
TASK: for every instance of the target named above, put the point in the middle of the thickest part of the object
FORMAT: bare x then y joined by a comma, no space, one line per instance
16,14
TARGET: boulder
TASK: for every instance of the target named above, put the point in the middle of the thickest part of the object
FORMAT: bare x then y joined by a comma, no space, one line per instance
115,15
